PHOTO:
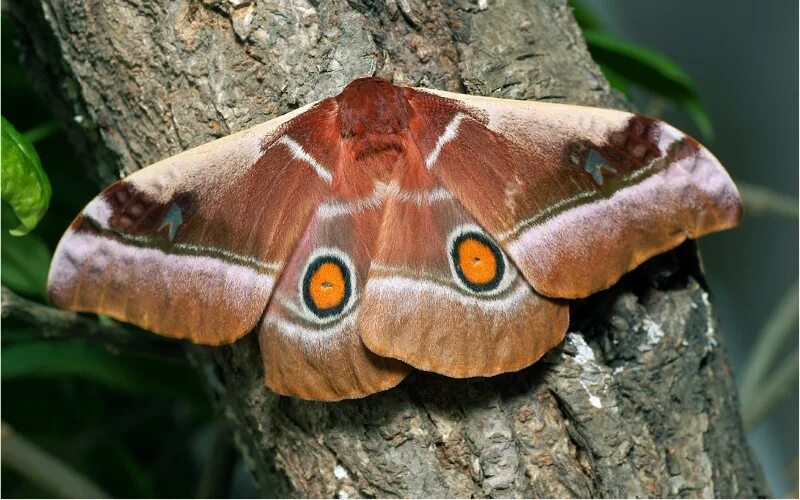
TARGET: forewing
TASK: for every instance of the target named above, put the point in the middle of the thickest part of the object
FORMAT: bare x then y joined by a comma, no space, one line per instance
192,246
577,196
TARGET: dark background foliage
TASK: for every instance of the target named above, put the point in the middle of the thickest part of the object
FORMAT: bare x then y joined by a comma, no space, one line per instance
723,71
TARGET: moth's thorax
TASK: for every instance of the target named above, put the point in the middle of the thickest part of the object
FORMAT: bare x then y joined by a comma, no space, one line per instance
372,106
373,118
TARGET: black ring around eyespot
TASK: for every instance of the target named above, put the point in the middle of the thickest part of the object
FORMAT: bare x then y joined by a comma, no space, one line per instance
309,300
498,256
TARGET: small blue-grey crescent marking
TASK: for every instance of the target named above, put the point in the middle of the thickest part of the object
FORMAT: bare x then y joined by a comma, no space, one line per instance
173,219
595,165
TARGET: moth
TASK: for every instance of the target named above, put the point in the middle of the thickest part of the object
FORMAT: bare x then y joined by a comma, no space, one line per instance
390,228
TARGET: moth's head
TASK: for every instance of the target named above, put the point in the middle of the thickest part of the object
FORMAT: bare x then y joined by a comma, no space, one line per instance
372,107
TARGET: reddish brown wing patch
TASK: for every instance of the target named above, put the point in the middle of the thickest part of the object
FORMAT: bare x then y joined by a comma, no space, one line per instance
441,295
576,196
191,247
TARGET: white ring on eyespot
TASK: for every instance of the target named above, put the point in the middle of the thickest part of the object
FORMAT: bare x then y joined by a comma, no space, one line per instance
509,274
304,311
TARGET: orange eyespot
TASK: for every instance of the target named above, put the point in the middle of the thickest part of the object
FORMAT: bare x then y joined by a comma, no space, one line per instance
326,286
477,261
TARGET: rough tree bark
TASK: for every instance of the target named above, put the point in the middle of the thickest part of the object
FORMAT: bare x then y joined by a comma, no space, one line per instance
637,401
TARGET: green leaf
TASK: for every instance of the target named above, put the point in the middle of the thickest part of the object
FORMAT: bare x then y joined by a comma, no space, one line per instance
649,70
42,131
616,80
46,470
781,382
640,64
584,16
126,373
769,375
700,118
24,260
25,186
19,334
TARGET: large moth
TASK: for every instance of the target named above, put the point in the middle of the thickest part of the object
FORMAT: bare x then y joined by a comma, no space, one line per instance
390,228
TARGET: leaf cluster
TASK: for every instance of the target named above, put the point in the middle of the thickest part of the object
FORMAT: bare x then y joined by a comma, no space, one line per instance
131,424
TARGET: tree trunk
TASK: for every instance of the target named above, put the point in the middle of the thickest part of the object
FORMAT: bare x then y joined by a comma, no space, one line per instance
637,401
